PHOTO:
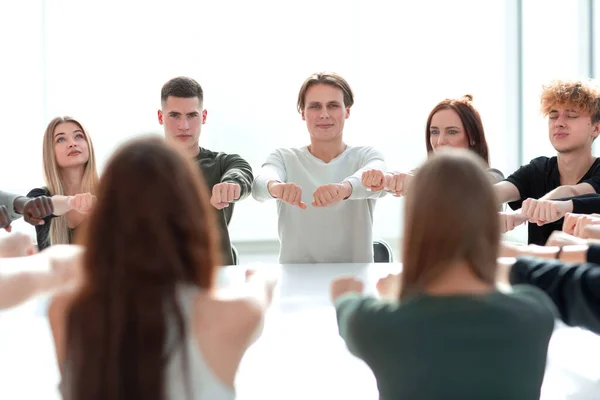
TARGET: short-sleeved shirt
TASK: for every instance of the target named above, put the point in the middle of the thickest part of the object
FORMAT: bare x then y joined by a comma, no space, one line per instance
539,177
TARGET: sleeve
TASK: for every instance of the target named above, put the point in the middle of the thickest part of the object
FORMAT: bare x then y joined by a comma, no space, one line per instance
272,170
594,180
574,288
8,200
237,170
358,320
586,204
523,180
593,254
372,159
495,175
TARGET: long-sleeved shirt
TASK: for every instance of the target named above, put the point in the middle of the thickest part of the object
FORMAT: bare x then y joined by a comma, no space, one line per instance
222,167
574,288
8,200
334,234
452,347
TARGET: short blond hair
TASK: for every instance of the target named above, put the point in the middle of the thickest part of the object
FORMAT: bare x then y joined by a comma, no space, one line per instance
583,96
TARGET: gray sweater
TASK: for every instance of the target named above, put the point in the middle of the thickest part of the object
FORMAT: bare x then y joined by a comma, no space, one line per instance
8,200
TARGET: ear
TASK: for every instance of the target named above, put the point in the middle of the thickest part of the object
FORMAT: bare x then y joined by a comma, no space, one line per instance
303,115
596,129
204,114
347,113
160,117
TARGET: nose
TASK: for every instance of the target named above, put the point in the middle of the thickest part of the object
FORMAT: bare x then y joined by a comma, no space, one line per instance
183,124
561,121
324,114
442,139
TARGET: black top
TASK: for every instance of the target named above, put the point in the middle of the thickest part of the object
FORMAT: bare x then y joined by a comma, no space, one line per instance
536,179
42,232
574,289
222,167
586,203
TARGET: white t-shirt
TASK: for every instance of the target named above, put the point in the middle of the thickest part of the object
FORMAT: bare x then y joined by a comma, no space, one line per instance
338,233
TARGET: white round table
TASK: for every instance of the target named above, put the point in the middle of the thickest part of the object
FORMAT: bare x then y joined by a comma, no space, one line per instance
299,355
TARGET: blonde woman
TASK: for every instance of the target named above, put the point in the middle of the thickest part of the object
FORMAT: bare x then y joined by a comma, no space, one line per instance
71,178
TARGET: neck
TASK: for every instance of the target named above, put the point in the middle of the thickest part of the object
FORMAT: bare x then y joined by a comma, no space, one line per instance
572,166
326,151
72,178
458,279
193,150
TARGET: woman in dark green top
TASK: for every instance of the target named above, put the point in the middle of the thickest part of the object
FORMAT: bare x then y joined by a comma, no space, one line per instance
447,332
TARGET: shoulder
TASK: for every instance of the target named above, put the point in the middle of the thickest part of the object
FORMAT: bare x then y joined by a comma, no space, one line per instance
534,301
495,175
544,163
37,192
230,317
365,152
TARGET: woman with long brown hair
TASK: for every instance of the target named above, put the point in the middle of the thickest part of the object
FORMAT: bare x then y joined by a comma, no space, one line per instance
146,323
448,332
452,123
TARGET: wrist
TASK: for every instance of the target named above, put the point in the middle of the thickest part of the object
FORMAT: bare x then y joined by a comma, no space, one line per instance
347,189
19,204
270,185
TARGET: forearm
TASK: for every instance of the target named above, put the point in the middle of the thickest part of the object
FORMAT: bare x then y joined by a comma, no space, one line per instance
569,191
239,172
19,287
359,192
61,204
573,288
260,186
506,192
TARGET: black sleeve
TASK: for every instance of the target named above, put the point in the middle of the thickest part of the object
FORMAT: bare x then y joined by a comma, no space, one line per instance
523,179
574,288
237,170
42,231
593,254
586,204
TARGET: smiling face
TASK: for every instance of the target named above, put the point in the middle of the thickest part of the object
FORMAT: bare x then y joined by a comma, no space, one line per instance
71,147
325,112
447,130
571,129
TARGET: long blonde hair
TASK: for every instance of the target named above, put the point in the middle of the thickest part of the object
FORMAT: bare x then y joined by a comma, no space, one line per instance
451,216
59,229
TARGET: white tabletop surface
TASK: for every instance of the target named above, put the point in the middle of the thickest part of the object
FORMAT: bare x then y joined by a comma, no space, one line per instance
299,356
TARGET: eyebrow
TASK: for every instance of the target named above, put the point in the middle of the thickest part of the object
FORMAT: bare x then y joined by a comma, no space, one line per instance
62,133
567,110
448,127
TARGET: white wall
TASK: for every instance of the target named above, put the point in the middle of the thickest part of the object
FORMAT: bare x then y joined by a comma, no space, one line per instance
105,62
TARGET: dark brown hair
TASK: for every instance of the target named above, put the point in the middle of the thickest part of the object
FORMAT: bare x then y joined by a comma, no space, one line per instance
471,121
152,230
451,216
325,78
181,86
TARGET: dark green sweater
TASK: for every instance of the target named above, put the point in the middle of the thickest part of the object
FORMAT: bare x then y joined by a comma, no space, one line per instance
222,167
459,347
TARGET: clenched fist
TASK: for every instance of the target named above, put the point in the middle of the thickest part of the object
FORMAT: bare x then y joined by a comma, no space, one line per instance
82,202
398,184
4,219
344,285
333,193
289,193
545,211
373,180
509,220
224,193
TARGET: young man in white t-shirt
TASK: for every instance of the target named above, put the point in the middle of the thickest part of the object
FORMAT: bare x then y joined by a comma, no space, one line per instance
325,213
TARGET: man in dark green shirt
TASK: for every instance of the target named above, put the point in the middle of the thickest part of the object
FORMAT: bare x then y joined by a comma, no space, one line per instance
228,176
